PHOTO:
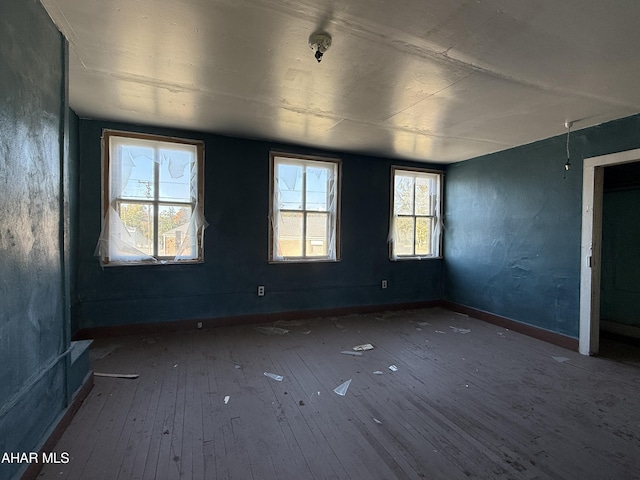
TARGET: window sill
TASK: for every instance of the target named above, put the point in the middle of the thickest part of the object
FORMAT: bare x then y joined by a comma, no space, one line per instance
403,259
302,260
159,263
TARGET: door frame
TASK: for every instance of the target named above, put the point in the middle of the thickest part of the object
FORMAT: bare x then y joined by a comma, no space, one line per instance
590,250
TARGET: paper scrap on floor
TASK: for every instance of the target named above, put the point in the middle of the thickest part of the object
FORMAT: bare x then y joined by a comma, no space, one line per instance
272,330
460,330
342,388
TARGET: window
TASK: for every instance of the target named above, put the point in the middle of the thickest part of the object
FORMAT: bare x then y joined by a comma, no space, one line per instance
416,214
304,209
152,200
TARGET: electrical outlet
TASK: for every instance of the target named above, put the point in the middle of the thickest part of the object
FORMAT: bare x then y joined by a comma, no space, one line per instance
261,290
384,284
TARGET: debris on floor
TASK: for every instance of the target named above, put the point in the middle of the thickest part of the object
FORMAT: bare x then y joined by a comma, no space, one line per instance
439,331
393,368
424,324
116,375
226,399
272,330
306,333
290,323
459,330
377,421
363,347
378,372
349,352
278,378
560,359
342,389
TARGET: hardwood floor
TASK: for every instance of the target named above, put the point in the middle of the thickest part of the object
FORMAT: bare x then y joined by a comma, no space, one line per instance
486,404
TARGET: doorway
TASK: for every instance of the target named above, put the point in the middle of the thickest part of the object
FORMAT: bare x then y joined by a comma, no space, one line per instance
590,250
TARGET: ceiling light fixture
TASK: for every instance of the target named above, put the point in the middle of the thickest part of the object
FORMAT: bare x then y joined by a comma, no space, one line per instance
567,166
320,42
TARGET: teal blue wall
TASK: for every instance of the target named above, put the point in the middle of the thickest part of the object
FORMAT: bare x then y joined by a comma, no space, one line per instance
512,227
33,237
236,245
620,280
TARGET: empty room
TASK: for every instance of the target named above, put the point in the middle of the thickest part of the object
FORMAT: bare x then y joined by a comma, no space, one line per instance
277,239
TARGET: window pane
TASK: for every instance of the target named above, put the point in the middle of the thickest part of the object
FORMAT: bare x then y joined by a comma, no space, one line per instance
424,197
404,240
317,187
423,235
173,230
133,172
175,174
289,184
138,220
317,234
403,195
290,234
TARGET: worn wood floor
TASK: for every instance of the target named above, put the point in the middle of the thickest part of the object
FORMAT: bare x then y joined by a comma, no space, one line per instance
486,404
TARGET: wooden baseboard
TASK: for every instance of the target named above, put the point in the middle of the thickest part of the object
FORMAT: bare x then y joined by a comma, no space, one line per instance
49,445
535,332
182,325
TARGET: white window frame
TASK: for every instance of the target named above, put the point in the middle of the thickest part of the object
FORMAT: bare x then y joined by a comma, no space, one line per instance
276,254
435,213
116,246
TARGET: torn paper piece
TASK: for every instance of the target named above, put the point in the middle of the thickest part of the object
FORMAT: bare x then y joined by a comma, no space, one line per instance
116,375
560,359
349,352
226,399
306,333
460,330
377,421
363,347
274,376
272,330
342,389
393,368
377,372
439,331
290,323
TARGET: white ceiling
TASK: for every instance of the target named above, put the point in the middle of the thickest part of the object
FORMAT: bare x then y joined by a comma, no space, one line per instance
428,80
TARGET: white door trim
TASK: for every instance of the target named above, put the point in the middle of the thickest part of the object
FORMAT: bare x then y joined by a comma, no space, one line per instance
592,183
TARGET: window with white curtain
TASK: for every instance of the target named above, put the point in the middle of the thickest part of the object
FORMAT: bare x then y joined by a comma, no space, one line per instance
305,199
416,216
152,204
